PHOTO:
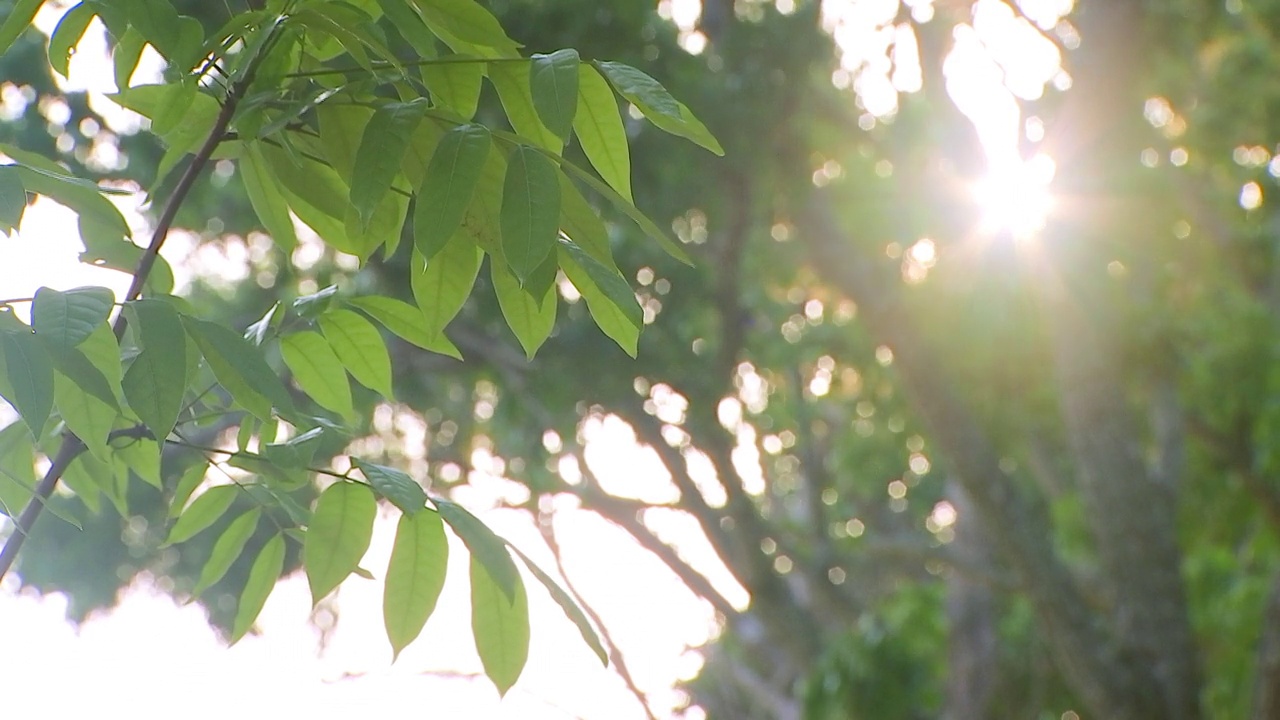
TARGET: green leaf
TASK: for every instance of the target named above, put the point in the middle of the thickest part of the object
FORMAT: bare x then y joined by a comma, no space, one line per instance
422,145
17,468
317,195
468,21
377,161
500,624
240,367
530,217
408,23
16,21
447,187
73,364
601,132
173,108
89,417
266,198
455,85
67,34
156,382
688,127
511,80
441,286
225,551
568,605
65,319
203,512
125,56
360,347
30,378
553,81
196,121
642,90
142,457
529,318
406,321
318,371
580,222
394,485
338,536
187,484
341,129
673,249
415,577
13,199
262,579
610,299
483,543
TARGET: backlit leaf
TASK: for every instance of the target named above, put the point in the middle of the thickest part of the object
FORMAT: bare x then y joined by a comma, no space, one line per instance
455,85
156,382
553,81
360,347
187,483
500,625
203,512
318,371
582,224
688,127
600,130
609,297
406,321
227,549
409,24
89,417
468,21
642,90
262,578
377,159
530,319
338,536
265,197
485,546
673,249
568,605
511,80
447,187
415,577
394,485
442,285
240,367
530,217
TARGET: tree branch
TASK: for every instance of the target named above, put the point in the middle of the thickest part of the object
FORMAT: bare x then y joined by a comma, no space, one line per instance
72,446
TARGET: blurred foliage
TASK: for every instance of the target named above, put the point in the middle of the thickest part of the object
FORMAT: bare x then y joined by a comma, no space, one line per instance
1194,303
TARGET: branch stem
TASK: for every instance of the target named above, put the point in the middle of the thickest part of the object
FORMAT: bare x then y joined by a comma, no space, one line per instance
72,446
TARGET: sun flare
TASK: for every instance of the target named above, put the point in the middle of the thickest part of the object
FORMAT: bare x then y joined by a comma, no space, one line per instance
1015,197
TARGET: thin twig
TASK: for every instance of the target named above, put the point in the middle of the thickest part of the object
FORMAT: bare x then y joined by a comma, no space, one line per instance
72,446
615,655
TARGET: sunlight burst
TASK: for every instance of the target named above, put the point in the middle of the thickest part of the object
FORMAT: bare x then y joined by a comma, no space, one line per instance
1015,197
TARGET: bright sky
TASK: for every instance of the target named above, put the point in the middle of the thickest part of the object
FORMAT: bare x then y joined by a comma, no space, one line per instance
150,655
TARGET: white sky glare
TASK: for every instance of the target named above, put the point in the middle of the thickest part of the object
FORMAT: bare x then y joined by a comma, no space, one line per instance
149,656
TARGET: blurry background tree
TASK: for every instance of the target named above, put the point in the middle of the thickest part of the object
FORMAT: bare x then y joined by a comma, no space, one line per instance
968,460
